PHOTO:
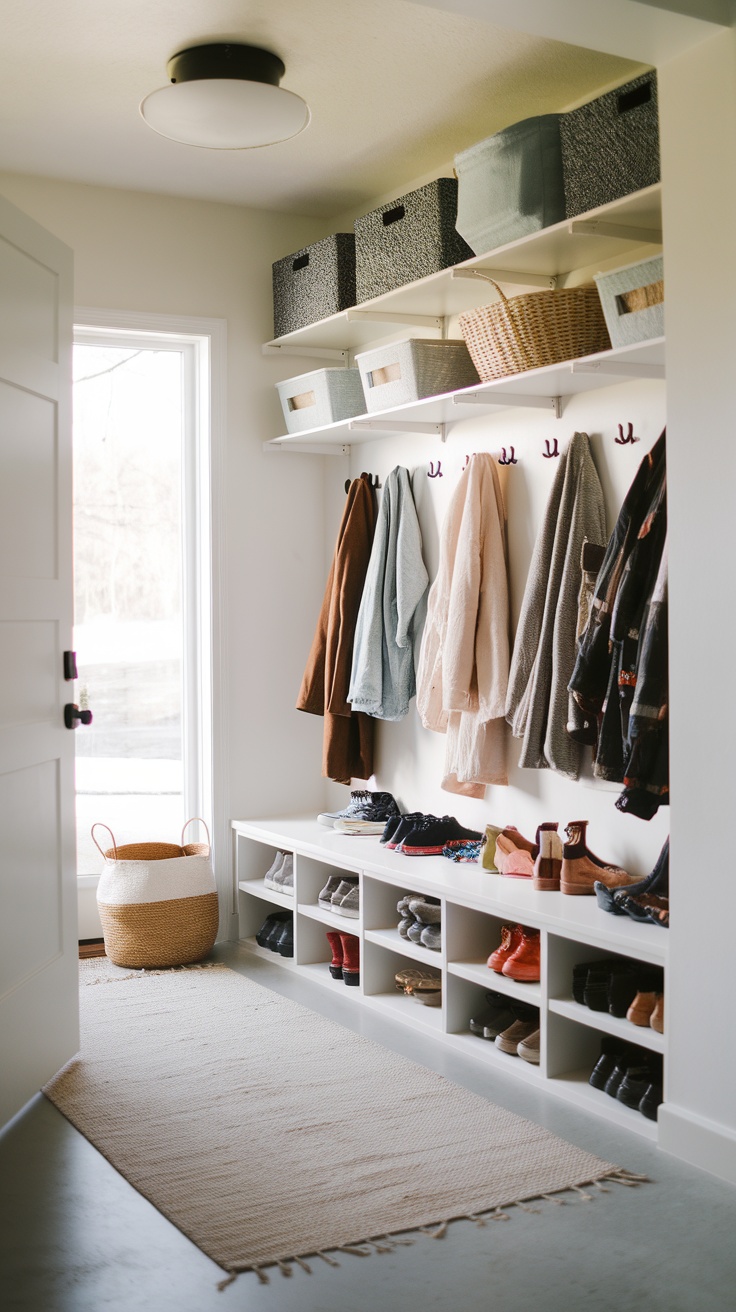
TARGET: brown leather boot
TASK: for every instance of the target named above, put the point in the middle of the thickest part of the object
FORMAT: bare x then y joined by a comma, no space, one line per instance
642,1009
581,869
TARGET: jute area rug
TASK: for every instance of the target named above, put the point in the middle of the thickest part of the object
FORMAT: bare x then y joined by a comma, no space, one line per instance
268,1134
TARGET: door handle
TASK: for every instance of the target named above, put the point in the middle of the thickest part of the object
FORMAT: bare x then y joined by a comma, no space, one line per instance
72,714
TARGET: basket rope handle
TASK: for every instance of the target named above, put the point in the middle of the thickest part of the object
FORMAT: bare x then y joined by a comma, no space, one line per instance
99,825
191,822
519,341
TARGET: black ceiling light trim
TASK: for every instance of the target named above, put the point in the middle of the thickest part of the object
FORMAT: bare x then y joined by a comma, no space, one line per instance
226,60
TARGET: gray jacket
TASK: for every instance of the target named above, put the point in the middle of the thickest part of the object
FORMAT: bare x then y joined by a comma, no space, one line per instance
538,704
383,680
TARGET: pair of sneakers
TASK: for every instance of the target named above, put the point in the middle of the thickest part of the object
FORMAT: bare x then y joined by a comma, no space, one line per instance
417,834
280,875
366,813
341,895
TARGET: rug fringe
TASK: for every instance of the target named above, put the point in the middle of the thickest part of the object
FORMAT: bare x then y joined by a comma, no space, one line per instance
143,973
389,1243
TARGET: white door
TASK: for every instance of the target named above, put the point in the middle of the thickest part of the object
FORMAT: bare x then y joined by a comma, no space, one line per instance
38,931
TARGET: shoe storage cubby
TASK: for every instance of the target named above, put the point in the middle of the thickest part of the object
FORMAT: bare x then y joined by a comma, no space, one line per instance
475,906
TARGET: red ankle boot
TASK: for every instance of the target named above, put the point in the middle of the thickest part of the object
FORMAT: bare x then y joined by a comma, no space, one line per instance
350,958
523,964
333,938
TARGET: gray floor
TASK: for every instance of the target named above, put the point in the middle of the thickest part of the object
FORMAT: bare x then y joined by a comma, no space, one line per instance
74,1237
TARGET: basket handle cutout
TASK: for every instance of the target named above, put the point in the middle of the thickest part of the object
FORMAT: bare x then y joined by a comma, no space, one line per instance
388,373
300,262
393,216
633,99
302,401
191,822
99,825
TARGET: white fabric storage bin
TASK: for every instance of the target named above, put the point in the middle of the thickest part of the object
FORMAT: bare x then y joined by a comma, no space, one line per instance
321,397
511,184
632,299
414,368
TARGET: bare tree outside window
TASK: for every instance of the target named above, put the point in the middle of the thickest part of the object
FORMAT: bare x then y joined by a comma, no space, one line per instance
128,592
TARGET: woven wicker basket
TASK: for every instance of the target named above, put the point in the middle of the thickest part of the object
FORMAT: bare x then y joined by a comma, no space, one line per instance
536,329
157,902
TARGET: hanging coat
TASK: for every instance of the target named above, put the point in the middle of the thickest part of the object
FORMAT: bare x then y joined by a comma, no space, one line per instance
348,736
383,680
464,658
539,706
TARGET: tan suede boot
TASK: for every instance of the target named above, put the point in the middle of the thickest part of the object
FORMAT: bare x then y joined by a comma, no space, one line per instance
581,869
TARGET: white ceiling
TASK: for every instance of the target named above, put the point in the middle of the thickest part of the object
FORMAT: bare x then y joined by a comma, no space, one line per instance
395,90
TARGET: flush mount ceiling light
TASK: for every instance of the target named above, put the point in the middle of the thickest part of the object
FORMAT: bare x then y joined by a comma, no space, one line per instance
225,97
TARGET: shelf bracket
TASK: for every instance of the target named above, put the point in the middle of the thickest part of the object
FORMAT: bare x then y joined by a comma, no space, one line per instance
624,368
384,316
511,399
509,275
308,449
311,352
385,426
599,228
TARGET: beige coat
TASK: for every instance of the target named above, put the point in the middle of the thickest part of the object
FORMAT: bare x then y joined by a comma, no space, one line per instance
464,658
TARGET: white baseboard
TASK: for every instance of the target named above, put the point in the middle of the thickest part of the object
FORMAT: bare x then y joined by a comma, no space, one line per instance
697,1140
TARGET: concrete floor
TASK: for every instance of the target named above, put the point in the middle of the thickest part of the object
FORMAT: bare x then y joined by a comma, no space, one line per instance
74,1237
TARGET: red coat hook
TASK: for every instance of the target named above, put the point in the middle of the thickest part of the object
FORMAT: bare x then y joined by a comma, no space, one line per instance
629,439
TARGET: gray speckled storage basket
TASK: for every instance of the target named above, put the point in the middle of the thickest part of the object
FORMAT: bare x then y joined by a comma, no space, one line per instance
411,369
323,396
511,184
610,147
627,324
313,283
407,239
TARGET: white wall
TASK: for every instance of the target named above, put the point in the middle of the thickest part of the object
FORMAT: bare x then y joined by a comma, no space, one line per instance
698,102
140,252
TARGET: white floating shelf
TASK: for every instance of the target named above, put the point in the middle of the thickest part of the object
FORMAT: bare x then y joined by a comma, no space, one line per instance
535,388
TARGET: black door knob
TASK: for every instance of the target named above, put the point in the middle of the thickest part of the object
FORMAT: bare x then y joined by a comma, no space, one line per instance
72,714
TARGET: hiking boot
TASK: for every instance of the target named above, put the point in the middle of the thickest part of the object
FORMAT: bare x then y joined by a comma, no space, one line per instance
510,941
523,964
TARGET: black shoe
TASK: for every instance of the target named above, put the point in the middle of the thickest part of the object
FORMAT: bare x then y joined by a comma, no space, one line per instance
283,941
270,925
634,1085
580,975
432,835
615,1079
612,1050
390,828
406,824
622,990
595,991
651,1101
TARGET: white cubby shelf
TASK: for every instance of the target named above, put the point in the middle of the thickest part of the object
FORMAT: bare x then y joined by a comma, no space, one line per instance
475,905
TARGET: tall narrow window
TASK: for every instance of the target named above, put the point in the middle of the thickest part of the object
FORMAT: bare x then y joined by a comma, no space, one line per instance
139,764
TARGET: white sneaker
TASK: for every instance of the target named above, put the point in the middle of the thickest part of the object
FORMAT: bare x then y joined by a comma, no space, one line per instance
283,880
356,826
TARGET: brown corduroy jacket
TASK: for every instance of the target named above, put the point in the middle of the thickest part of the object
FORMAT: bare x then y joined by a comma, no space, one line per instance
347,751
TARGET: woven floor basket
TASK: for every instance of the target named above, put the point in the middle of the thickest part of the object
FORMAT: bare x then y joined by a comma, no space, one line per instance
157,902
538,328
